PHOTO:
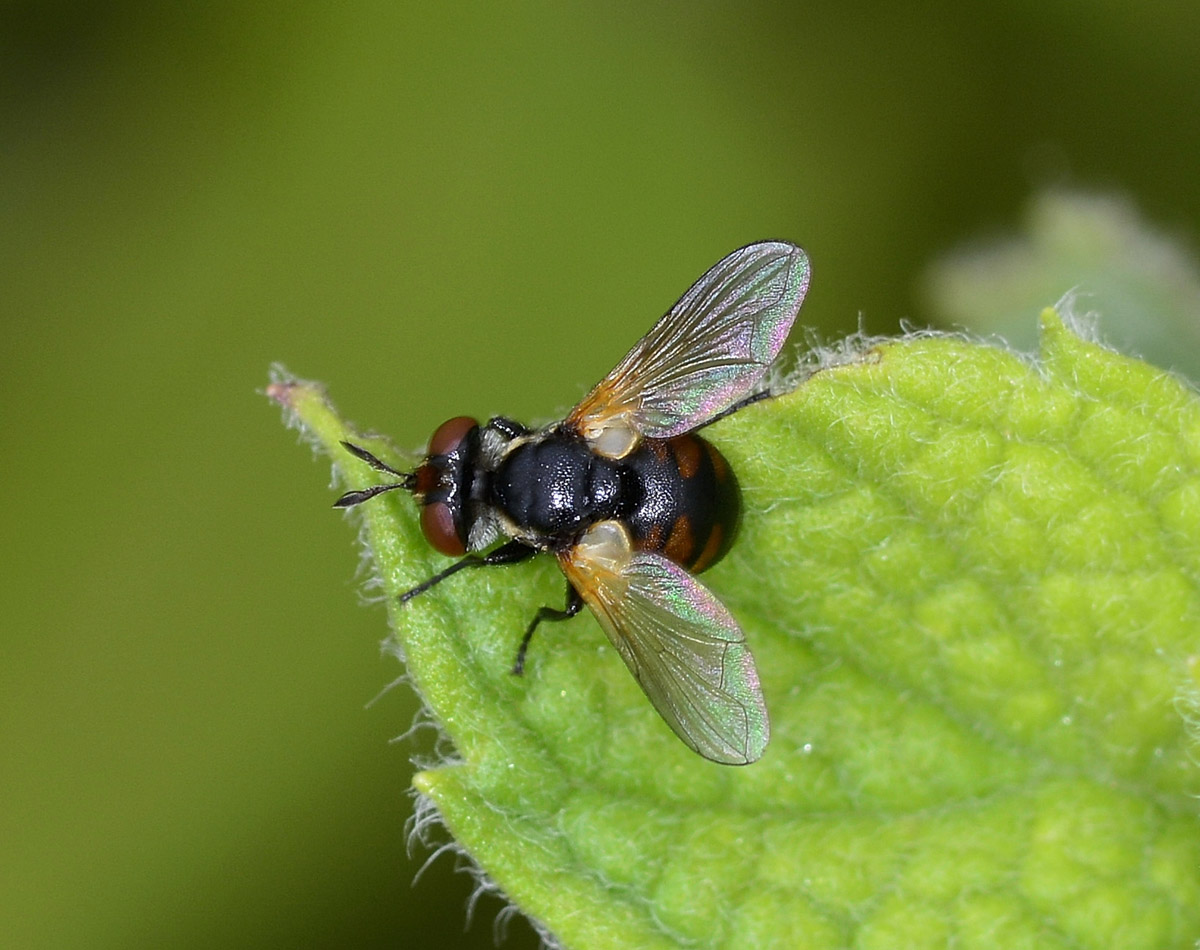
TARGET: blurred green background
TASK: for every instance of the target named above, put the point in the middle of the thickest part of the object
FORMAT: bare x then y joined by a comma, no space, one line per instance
436,211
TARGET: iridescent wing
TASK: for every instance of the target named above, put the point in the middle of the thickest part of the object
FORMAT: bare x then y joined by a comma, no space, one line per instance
683,647
710,350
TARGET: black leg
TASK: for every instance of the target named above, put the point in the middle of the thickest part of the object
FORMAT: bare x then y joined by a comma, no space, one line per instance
573,606
740,404
509,553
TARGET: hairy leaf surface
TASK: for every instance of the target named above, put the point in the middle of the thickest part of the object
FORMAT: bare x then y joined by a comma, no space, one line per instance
970,581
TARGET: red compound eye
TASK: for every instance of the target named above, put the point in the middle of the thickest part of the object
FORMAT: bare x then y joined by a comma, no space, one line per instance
449,434
438,483
437,524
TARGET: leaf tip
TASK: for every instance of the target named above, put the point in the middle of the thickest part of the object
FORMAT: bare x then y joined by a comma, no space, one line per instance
290,391
281,393
1049,319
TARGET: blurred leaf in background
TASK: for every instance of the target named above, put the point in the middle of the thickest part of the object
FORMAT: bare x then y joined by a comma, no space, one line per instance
1141,284
439,210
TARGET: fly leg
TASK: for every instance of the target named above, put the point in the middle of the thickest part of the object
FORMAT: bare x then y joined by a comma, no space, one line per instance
740,404
509,553
573,606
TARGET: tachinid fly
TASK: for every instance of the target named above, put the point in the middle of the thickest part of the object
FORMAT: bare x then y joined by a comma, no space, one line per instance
629,499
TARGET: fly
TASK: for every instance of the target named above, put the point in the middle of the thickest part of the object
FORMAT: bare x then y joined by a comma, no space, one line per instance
629,499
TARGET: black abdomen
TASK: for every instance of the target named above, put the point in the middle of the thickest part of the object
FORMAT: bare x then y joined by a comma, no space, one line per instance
690,503
677,496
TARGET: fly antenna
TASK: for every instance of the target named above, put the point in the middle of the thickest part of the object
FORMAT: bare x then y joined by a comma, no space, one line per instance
359,452
407,481
352,498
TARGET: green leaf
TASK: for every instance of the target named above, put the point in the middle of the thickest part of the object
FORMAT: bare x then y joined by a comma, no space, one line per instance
1098,248
971,585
